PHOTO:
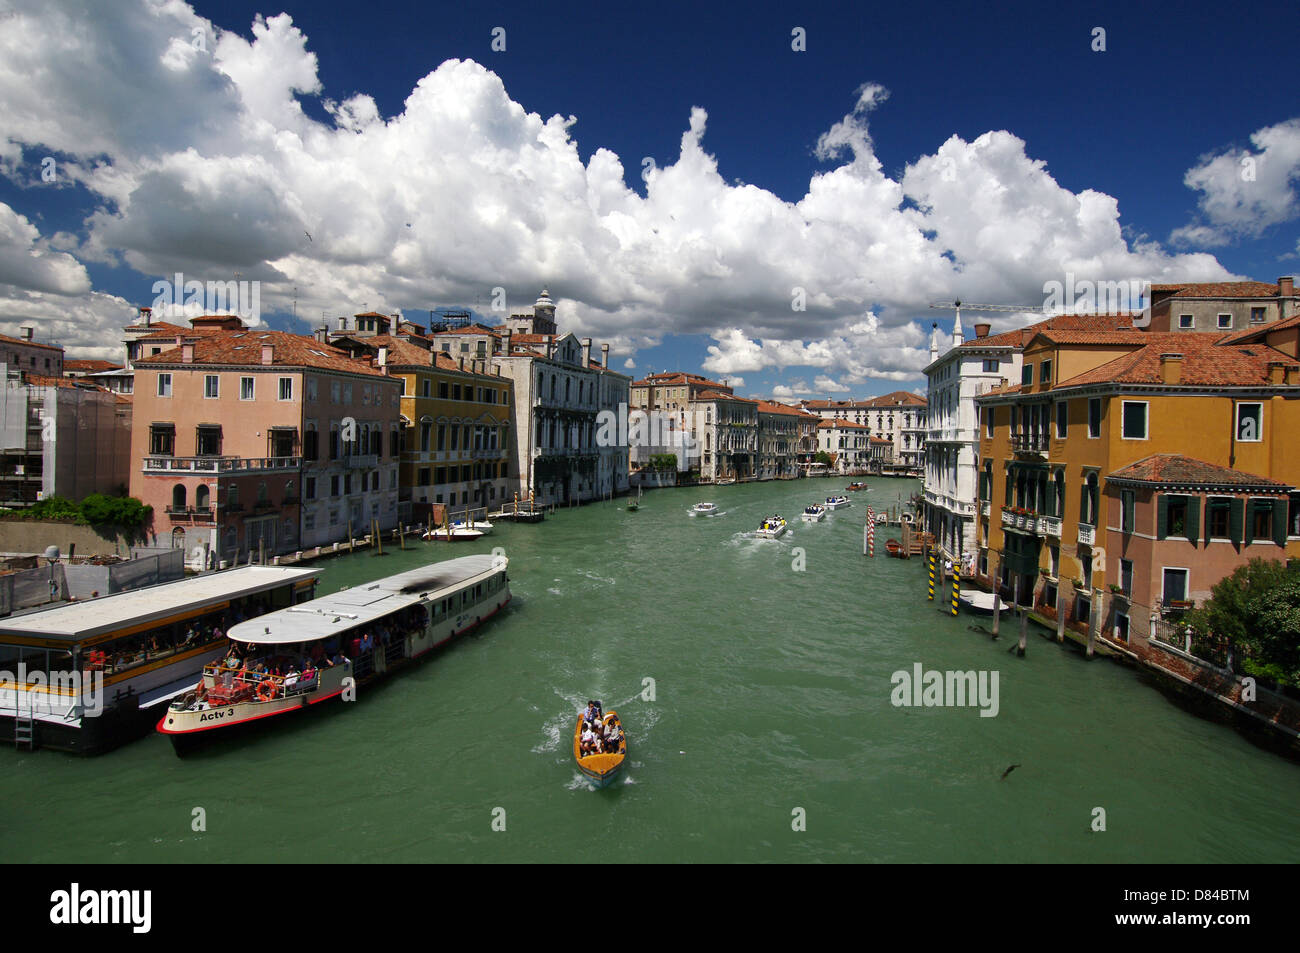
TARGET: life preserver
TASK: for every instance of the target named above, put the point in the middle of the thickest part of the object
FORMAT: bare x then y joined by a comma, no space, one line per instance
266,690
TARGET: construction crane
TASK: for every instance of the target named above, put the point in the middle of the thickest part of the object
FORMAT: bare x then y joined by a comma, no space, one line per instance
957,306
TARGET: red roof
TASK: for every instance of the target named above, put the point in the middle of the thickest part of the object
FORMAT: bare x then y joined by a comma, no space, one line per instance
1060,322
90,367
1205,363
1176,469
245,348
12,340
1217,289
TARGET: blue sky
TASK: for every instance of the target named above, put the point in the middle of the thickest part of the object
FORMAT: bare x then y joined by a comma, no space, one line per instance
1065,159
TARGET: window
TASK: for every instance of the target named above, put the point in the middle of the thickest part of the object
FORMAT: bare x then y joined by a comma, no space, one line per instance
162,440
1225,322
286,388
1259,524
1045,373
1094,417
211,386
1134,420
246,388
1176,516
207,441
309,487
991,366
1126,576
1186,322
1256,315
335,485
1127,510
1026,375
1062,419
1293,521
988,420
1175,586
1224,519
164,385
1250,422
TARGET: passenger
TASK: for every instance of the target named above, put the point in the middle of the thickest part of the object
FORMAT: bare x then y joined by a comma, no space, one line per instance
291,679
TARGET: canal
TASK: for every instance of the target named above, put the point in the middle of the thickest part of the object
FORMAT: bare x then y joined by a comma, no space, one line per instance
754,678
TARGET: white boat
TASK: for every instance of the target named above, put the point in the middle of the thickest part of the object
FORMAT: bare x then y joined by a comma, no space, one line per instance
456,533
290,659
482,527
773,528
707,509
725,482
835,502
882,519
813,514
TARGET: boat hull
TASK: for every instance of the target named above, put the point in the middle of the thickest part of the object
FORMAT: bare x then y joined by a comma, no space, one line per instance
835,505
601,770
813,517
771,533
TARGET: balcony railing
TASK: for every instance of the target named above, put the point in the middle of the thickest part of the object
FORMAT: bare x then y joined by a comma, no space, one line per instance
160,464
489,453
1029,442
1049,526
360,461
985,507
1087,534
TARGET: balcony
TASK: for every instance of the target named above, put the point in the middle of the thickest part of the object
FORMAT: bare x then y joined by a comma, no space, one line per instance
190,514
1087,534
489,453
1049,526
182,465
1029,442
360,461
985,507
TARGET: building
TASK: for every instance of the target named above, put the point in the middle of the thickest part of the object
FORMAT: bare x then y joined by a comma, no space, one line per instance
60,437
727,434
899,417
966,370
846,442
25,354
1222,306
456,425
779,430
1130,471
668,400
252,443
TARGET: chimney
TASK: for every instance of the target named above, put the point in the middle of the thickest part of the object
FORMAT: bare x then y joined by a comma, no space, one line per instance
383,355
343,323
505,341
1286,286
982,330
268,353
187,353
462,362
322,334
1171,368
146,315
1292,375
604,356
179,340
1276,372
27,333
550,345
586,352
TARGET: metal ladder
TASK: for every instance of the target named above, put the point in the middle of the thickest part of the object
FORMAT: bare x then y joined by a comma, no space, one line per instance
24,725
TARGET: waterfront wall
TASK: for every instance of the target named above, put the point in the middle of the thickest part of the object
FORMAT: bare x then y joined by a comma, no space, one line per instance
32,536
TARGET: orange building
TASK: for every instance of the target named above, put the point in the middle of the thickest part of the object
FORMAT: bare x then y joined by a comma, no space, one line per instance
1134,469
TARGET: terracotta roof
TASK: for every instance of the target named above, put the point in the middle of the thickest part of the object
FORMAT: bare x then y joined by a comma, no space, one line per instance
836,424
899,398
483,329
774,407
1174,469
1217,289
717,395
1258,332
1059,322
880,440
245,348
90,367
12,340
159,326
1205,363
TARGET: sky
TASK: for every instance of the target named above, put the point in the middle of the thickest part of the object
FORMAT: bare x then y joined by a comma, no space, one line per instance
773,194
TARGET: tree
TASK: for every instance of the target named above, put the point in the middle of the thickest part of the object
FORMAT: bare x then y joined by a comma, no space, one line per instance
1257,609
824,458
663,461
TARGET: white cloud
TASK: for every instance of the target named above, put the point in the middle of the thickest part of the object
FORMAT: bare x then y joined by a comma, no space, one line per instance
828,385
1244,192
629,364
465,190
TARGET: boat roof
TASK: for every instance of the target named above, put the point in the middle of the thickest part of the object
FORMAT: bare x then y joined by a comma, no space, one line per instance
327,616
76,621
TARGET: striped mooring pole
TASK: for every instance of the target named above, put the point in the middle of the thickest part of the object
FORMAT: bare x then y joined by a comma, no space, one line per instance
956,577
871,532
930,568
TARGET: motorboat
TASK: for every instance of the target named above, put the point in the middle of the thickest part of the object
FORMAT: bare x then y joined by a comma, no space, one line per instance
813,514
835,502
772,528
705,509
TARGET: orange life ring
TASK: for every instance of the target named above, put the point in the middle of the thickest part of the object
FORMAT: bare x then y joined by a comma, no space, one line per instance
267,686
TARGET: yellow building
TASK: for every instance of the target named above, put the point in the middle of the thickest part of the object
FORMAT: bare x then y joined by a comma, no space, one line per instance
457,421
1130,468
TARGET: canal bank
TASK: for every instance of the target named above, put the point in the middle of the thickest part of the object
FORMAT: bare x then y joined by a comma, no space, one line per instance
754,679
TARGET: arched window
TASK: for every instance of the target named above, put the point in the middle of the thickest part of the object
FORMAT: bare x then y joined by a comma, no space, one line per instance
261,492
201,497
178,496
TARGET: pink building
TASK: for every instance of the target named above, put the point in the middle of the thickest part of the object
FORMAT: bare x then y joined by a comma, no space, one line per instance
251,442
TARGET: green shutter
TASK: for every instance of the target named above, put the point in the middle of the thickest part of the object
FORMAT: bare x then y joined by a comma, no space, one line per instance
1279,522
1083,503
1248,531
1162,516
1193,518
1128,499
1236,509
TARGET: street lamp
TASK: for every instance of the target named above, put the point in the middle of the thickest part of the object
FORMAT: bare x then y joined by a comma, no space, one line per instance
52,554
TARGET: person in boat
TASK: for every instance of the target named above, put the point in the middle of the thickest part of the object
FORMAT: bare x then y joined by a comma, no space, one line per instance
291,679
367,643
612,736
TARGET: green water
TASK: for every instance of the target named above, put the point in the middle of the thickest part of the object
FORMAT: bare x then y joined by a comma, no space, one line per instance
772,692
